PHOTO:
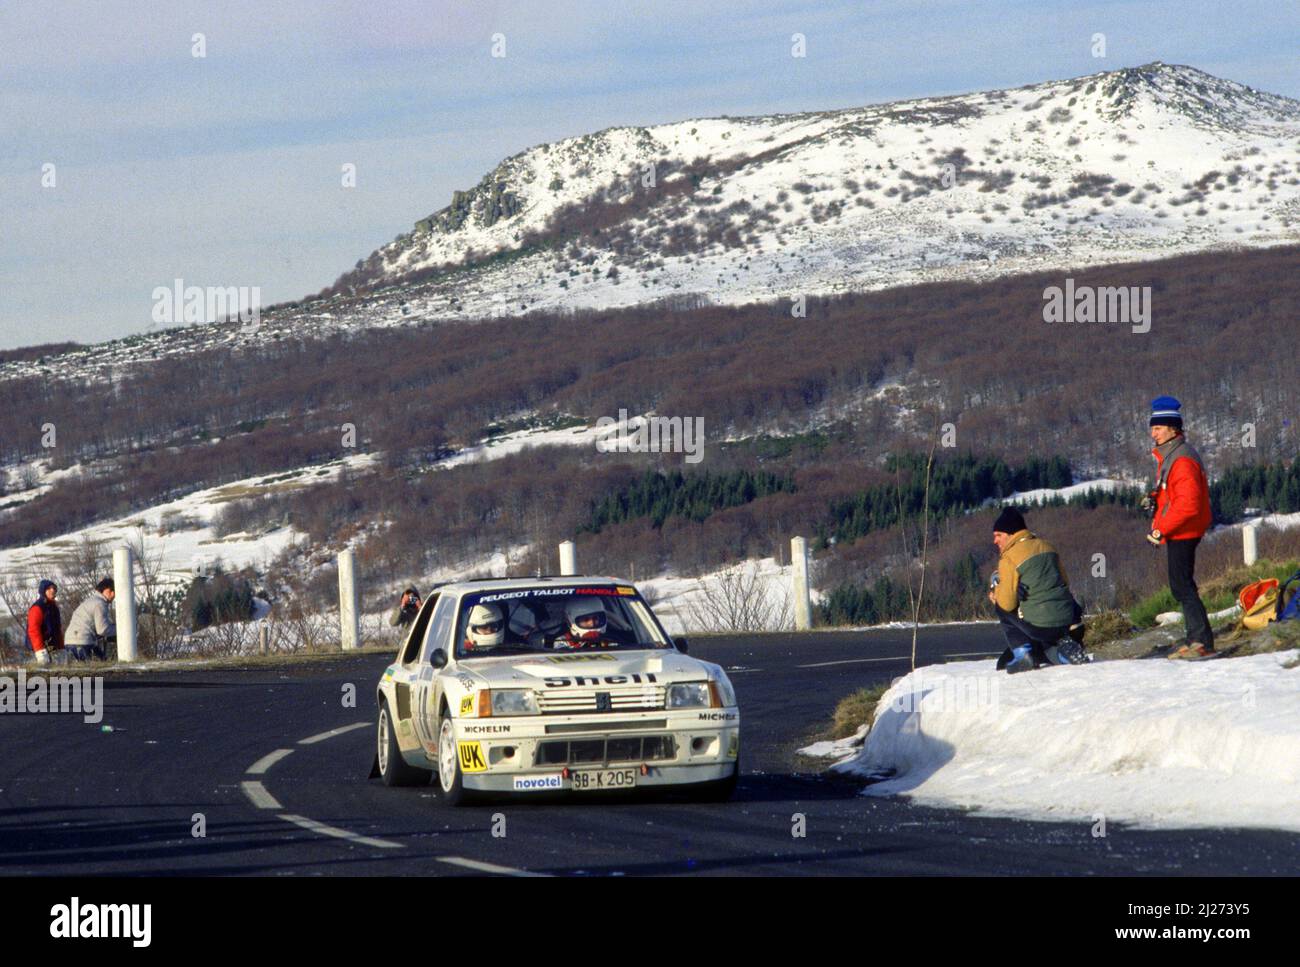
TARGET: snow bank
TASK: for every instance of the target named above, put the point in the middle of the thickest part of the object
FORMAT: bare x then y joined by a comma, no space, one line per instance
1150,743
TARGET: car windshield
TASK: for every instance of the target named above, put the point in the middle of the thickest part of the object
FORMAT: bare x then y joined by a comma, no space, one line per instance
549,618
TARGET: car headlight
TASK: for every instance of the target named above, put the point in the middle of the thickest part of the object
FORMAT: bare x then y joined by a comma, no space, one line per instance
514,701
726,692
691,695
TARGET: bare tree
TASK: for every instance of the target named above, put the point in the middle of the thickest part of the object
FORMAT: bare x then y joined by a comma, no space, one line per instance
916,595
738,599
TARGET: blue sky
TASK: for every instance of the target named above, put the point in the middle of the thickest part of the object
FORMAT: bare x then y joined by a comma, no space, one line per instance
225,170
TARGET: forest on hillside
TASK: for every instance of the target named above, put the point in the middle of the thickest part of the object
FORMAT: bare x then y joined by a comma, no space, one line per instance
812,425
895,364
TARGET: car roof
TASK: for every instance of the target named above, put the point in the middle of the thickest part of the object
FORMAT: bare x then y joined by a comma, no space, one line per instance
510,584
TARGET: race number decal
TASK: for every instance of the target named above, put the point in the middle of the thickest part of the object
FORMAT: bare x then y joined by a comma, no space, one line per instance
471,757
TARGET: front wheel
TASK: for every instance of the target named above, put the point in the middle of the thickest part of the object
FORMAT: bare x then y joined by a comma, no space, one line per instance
450,777
390,765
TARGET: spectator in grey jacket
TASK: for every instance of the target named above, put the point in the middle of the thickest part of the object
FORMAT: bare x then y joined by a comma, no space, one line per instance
91,626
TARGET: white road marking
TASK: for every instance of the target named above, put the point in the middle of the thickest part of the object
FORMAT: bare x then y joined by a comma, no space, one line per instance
853,661
259,767
259,796
486,867
337,833
311,740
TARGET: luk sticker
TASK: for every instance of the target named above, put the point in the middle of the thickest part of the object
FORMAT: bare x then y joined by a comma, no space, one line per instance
467,705
471,757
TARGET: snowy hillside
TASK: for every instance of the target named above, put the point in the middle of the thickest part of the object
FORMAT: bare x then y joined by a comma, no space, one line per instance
1133,164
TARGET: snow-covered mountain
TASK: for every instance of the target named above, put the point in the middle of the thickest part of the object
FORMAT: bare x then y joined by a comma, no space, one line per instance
1133,164
1128,164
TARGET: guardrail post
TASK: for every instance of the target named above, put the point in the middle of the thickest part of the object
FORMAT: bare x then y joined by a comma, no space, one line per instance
124,604
1250,543
349,621
568,559
799,586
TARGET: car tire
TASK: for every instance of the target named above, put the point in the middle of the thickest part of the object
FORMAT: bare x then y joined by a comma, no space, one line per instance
393,769
450,778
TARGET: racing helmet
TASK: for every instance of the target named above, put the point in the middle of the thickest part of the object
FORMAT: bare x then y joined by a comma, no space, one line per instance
586,619
486,628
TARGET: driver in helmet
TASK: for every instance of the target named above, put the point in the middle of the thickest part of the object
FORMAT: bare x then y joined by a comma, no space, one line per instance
485,629
585,623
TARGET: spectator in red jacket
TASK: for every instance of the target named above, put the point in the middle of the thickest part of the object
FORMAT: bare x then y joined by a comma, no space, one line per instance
45,624
1181,506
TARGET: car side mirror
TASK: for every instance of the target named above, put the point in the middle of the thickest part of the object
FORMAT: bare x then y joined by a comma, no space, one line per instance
682,645
438,659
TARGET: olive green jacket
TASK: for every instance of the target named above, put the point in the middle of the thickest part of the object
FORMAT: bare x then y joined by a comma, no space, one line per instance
1032,581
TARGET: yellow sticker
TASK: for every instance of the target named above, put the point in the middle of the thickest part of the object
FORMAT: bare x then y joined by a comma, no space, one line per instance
467,705
623,590
471,757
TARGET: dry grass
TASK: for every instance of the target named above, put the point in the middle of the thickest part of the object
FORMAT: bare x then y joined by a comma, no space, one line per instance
855,710
1106,626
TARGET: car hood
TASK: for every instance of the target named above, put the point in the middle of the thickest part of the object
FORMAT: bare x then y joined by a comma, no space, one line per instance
543,671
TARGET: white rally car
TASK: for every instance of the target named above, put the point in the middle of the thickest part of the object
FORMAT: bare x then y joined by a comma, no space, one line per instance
552,684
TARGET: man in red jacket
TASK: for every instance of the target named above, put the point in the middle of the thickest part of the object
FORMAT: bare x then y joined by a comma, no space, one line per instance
1181,504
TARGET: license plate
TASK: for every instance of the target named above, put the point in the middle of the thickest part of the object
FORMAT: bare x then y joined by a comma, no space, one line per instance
603,779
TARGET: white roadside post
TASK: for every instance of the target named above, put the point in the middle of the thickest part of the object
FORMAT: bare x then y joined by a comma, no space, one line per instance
1250,542
799,568
568,559
349,622
124,603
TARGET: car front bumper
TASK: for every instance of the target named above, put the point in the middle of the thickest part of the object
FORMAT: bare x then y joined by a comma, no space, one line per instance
526,754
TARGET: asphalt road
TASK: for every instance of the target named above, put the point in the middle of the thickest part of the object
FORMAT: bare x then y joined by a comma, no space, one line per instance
76,800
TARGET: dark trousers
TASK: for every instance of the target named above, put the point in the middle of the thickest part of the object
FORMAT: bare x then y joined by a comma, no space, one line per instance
1182,562
1019,632
86,652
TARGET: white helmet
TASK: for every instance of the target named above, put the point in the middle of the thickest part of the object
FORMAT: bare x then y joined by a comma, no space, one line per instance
486,628
586,618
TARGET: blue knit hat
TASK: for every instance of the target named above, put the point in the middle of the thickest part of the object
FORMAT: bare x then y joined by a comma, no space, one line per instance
1166,411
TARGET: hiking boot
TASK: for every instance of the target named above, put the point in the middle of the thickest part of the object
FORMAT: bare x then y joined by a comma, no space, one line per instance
1022,660
1191,652
1071,651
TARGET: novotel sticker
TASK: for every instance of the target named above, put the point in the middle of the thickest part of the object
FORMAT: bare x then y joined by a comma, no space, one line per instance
538,783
